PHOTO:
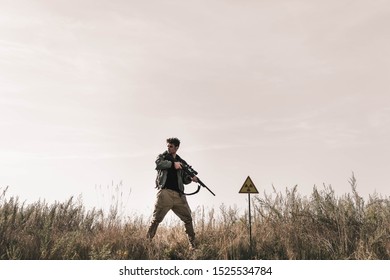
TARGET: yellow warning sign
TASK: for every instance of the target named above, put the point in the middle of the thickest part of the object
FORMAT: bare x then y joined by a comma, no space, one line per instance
248,187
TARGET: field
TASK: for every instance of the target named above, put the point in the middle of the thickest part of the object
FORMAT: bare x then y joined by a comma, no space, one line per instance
285,225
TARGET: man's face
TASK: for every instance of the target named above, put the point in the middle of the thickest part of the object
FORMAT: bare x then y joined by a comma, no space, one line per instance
172,149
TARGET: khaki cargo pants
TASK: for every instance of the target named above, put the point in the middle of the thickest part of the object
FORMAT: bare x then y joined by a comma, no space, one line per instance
170,200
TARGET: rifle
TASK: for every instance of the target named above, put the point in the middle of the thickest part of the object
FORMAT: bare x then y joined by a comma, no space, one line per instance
191,172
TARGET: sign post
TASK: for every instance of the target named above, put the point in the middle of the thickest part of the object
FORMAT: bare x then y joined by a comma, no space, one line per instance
248,187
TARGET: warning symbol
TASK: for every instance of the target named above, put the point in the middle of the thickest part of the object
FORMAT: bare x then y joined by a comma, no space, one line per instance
248,187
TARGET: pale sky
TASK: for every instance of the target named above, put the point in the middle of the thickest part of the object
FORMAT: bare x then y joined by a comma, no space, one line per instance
287,92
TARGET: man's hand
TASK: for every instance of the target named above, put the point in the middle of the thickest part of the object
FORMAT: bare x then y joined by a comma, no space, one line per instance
177,165
194,179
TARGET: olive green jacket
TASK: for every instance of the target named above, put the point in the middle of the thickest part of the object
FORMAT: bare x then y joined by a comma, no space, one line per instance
162,166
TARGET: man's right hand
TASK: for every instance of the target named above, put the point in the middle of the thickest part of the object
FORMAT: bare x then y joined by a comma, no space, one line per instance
177,165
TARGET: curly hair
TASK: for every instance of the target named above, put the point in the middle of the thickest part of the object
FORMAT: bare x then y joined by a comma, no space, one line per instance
174,141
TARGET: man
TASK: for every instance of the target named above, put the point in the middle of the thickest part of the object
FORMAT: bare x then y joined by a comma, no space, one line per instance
170,183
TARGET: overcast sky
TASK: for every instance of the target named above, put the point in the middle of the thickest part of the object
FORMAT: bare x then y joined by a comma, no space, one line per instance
289,92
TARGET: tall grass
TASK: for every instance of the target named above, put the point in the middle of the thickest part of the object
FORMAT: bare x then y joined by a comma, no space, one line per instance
284,226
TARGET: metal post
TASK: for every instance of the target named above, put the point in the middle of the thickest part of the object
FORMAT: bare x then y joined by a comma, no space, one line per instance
248,187
250,227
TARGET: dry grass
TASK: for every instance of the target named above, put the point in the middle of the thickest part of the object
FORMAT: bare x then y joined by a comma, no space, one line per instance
284,225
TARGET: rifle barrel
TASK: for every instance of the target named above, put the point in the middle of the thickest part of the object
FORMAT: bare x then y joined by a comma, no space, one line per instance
203,185
199,181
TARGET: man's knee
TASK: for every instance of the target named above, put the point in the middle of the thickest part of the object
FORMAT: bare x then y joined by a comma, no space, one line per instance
159,214
184,214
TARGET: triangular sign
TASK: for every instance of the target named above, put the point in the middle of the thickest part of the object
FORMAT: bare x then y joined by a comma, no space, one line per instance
248,187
